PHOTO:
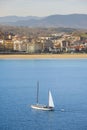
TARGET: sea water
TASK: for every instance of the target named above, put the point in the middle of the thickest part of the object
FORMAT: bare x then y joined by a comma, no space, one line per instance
67,80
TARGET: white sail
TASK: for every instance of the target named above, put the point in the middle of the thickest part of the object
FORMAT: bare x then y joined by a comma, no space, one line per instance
50,103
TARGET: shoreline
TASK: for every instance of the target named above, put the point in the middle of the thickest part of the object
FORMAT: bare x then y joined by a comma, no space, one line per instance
42,56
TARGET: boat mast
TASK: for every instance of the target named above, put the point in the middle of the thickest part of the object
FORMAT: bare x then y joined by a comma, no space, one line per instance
37,91
48,98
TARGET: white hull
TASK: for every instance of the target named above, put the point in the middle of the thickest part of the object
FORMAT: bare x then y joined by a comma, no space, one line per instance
44,108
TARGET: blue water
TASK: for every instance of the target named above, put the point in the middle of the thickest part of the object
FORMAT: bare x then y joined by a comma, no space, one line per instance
67,80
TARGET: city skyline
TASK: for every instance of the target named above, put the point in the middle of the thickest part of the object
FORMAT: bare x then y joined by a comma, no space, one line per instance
42,8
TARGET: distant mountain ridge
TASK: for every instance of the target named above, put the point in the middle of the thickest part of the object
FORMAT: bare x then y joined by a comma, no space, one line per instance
7,19
71,20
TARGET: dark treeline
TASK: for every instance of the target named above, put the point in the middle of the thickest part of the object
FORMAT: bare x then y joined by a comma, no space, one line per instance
35,31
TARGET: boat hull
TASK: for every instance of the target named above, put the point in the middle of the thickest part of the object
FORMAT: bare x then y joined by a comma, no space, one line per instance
44,108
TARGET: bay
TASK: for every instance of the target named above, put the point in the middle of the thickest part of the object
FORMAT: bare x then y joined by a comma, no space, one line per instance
67,80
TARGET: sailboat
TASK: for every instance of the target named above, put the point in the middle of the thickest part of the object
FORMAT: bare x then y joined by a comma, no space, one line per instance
48,107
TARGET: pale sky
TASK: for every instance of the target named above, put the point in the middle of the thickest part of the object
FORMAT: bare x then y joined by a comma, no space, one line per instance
42,7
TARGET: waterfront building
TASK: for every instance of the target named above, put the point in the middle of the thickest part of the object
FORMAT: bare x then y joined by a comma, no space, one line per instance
34,47
20,46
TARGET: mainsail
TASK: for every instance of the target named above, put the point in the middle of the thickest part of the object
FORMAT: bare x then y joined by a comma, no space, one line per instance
50,102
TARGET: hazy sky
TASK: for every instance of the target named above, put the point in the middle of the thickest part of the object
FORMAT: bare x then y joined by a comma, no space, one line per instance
42,7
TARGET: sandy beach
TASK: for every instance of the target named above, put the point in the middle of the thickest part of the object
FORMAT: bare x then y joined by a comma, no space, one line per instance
43,56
